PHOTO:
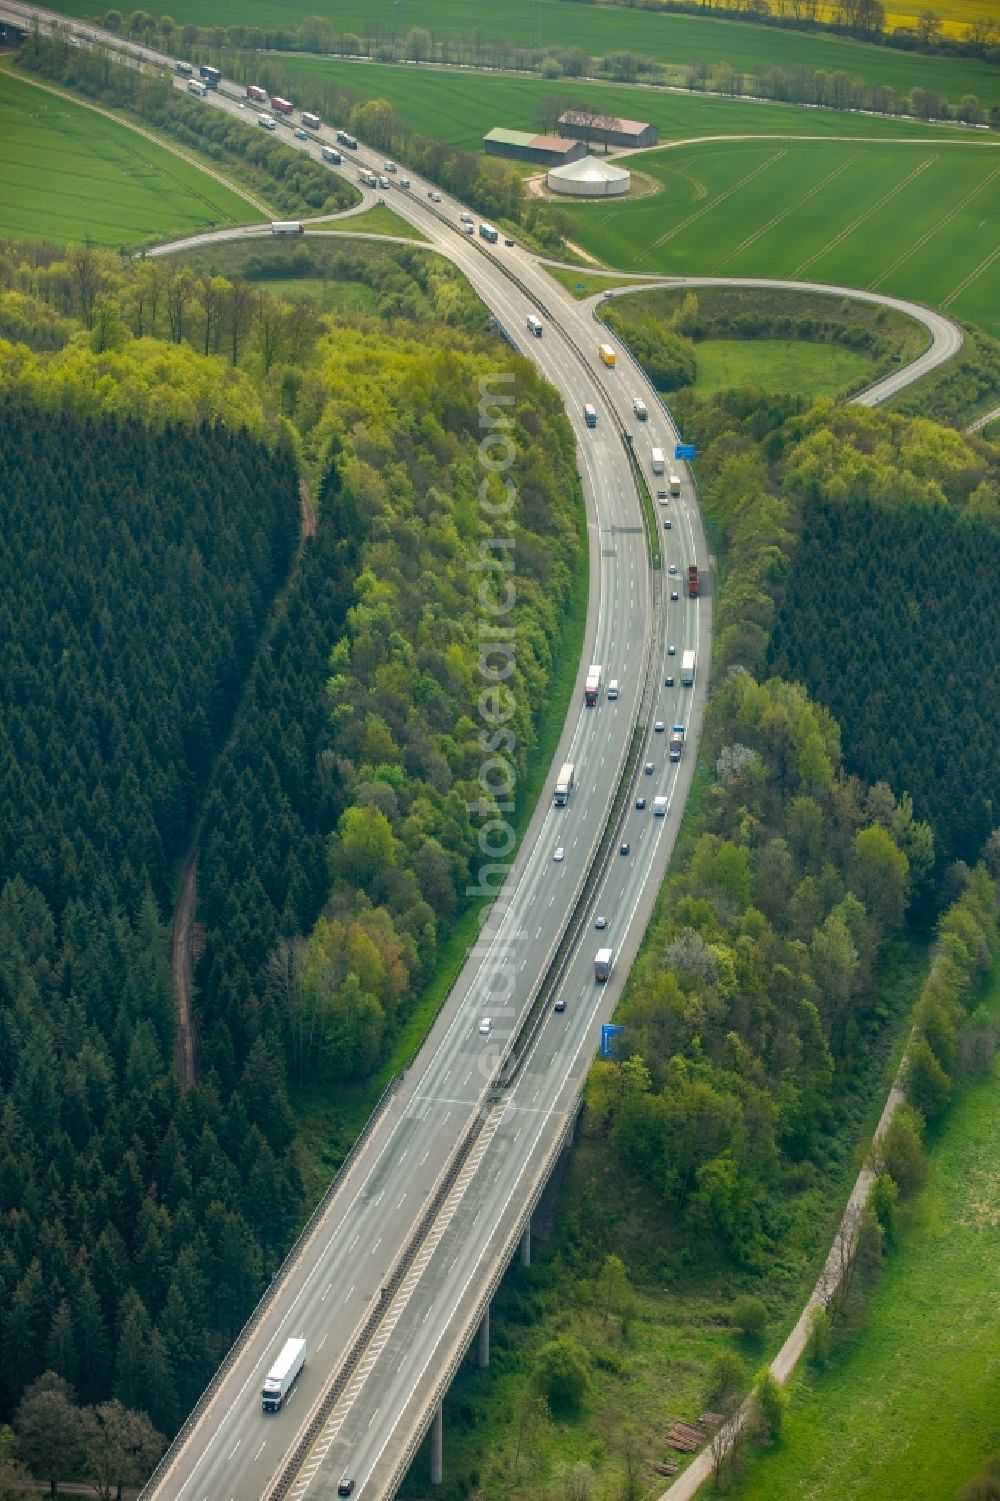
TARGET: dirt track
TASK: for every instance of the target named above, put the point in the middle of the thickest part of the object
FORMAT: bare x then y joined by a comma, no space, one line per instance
181,937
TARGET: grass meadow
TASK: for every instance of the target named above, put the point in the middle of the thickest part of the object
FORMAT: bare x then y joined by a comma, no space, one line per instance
912,220
597,29
811,370
379,220
909,1407
69,174
458,107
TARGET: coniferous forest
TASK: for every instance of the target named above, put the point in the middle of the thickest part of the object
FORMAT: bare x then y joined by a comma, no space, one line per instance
173,677
138,571
891,617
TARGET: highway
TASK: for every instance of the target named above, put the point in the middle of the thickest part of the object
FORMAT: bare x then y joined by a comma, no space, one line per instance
332,1286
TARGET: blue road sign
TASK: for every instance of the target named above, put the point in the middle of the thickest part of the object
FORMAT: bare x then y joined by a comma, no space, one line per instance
608,1034
685,451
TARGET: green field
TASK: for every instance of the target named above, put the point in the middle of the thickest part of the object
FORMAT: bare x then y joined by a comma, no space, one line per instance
912,220
910,1408
69,174
379,220
459,107
599,29
778,365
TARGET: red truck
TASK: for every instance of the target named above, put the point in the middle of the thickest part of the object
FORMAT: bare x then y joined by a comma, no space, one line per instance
281,106
254,91
692,581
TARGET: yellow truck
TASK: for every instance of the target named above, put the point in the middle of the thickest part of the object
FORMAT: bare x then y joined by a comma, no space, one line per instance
607,355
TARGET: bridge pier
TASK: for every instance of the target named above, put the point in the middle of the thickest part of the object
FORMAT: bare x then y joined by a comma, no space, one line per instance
484,1340
526,1245
437,1445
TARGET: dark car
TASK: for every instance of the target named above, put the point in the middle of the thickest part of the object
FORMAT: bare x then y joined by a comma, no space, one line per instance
345,1487
624,848
674,594
640,803
669,680
648,768
667,523
508,243
560,1005
671,650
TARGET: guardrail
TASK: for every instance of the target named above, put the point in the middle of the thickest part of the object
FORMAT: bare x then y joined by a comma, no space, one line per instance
490,1284
269,1294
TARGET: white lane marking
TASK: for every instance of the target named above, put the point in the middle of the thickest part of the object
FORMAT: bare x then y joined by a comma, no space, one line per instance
375,1246
260,1450
401,1200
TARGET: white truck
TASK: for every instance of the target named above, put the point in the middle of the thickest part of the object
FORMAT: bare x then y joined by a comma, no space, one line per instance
564,784
658,460
675,485
687,669
639,408
265,121
659,807
604,963
196,87
283,1374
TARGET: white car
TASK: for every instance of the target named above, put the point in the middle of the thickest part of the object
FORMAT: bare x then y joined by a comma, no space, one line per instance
672,568
560,853
601,922
485,1027
659,726
671,650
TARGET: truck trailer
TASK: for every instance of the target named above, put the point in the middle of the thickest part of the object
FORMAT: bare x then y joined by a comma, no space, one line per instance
254,91
693,585
283,1374
676,742
687,669
281,106
592,687
604,963
657,460
564,784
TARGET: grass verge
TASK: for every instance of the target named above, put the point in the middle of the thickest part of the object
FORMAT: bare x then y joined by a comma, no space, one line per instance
380,220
